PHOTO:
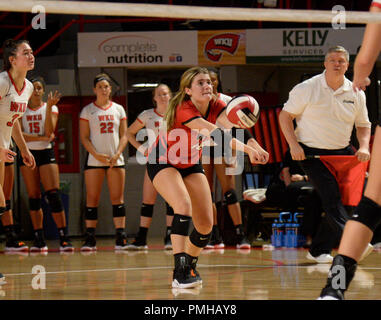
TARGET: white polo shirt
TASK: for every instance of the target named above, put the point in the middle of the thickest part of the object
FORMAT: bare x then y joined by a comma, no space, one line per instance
325,117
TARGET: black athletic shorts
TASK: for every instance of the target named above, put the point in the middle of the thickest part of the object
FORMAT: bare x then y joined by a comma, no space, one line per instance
42,157
153,169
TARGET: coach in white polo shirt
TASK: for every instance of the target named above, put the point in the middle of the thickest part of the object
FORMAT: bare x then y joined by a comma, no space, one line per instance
325,109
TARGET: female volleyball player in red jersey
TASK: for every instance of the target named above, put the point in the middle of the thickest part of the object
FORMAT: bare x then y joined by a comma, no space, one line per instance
152,120
103,133
38,124
358,231
176,171
15,91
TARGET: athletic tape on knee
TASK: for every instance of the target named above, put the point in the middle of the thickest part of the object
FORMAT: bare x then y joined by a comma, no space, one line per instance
91,213
368,213
55,201
146,210
118,210
8,205
230,197
180,224
34,204
170,211
198,239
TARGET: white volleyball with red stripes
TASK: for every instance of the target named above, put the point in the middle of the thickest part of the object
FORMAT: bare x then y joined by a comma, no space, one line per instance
243,111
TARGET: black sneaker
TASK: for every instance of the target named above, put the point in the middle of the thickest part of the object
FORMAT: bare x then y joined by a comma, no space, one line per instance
121,242
215,241
39,245
184,276
243,242
65,245
138,244
167,242
13,245
328,293
193,265
90,243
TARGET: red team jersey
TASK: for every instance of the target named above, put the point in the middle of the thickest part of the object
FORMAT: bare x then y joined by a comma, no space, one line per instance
182,145
376,3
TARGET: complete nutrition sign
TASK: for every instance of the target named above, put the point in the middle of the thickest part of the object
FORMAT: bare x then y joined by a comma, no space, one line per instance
143,49
298,45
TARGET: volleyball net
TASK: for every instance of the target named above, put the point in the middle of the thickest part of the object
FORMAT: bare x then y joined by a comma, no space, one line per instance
189,12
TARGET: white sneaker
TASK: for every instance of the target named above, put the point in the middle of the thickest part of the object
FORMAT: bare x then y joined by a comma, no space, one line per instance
368,250
323,258
327,298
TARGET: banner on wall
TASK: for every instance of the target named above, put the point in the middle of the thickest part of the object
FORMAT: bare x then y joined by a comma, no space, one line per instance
298,45
221,47
138,49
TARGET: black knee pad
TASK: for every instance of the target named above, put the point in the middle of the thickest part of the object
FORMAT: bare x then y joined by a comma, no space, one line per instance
198,239
368,213
230,197
8,205
34,204
146,210
213,198
2,210
118,210
170,211
55,202
91,213
180,224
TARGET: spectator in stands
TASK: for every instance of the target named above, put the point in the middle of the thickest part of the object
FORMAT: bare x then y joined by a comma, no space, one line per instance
325,109
290,190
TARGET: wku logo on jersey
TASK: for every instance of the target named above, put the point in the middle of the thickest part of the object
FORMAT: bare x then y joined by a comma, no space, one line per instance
18,106
35,117
106,117
222,42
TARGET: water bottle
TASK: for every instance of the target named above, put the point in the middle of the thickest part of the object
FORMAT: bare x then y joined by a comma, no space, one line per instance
279,240
274,232
281,228
298,241
288,234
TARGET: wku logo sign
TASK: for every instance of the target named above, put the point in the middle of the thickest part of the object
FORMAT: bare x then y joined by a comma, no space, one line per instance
216,45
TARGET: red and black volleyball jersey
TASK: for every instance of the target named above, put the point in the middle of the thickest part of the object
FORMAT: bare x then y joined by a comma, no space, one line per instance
376,3
182,146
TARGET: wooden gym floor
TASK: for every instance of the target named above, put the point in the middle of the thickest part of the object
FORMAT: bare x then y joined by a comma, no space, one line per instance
228,274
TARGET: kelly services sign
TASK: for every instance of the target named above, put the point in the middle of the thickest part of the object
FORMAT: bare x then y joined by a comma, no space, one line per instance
138,49
298,45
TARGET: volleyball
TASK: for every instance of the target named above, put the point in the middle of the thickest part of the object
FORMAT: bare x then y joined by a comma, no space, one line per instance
243,111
